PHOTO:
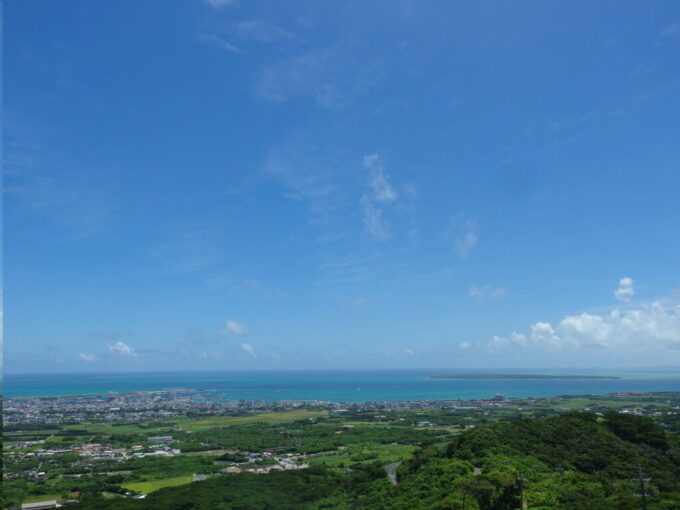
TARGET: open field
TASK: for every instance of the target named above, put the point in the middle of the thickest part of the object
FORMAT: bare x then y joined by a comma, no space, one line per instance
270,418
43,497
360,454
214,453
352,443
578,403
154,485
196,424
117,428
330,459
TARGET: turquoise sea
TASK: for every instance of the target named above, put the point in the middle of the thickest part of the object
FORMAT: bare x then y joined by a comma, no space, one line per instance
342,385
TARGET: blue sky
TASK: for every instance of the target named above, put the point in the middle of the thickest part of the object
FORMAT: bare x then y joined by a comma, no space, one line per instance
249,185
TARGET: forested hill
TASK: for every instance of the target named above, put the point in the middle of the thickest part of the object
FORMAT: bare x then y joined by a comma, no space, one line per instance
576,461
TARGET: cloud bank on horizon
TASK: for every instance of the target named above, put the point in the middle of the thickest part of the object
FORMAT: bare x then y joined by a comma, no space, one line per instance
651,327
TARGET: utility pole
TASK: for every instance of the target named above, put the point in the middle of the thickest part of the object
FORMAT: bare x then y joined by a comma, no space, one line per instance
642,480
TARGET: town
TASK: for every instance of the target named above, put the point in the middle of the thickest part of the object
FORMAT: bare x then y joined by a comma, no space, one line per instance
129,445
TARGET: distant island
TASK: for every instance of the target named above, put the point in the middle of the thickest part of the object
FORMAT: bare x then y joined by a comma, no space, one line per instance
521,376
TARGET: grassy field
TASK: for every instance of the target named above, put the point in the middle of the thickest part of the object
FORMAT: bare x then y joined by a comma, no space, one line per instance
381,452
388,452
43,497
154,485
109,428
331,459
195,424
578,403
220,421
207,452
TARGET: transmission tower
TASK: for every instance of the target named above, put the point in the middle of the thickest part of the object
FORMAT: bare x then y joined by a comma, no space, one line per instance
642,485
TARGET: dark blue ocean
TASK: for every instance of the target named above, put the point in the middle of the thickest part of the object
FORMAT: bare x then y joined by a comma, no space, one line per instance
339,385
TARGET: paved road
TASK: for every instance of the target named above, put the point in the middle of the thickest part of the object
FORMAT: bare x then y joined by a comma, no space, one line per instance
391,470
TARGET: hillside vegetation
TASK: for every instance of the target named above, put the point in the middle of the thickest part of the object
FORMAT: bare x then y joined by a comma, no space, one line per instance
575,461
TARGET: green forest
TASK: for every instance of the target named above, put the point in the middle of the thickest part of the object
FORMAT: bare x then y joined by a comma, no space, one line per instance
573,461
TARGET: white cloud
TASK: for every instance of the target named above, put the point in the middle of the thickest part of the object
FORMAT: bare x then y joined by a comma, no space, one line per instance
243,31
233,327
378,194
220,3
544,334
464,345
499,292
219,42
311,171
476,292
86,357
465,243
379,185
258,30
332,78
481,293
373,220
463,232
409,352
650,327
122,348
625,290
248,349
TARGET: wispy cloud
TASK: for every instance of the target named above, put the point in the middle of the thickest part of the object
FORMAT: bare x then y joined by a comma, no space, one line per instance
462,232
625,291
258,30
217,4
233,327
122,349
218,41
310,172
358,302
332,78
401,354
380,189
373,220
41,183
86,357
379,193
264,291
486,291
247,348
186,247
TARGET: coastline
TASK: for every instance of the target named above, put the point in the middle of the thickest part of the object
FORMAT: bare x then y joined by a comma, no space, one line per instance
340,386
501,377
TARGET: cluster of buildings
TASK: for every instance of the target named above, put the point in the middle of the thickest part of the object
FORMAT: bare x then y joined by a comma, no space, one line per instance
87,452
157,405
267,461
135,407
